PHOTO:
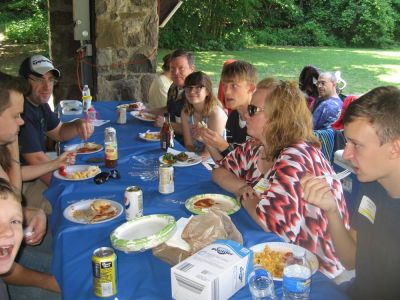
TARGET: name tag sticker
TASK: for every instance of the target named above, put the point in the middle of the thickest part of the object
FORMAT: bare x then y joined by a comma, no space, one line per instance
367,208
261,186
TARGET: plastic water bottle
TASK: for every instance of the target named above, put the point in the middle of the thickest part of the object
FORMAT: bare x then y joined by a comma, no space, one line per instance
297,277
261,284
85,91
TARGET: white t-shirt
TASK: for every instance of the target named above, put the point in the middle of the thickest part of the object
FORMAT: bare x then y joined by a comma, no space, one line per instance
158,92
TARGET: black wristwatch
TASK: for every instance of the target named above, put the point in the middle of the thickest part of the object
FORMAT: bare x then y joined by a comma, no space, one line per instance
227,150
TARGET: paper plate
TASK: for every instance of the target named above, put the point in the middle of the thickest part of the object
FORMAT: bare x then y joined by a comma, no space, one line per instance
200,204
75,168
286,247
132,106
150,136
144,116
143,233
191,161
78,212
84,148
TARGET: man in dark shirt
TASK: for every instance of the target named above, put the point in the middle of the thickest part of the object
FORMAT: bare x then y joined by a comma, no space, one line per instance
40,121
181,65
372,245
239,83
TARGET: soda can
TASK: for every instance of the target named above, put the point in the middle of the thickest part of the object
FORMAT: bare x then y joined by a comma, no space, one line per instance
166,180
121,115
133,199
104,265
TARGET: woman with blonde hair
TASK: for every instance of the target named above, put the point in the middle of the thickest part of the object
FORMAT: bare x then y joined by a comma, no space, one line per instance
202,109
265,172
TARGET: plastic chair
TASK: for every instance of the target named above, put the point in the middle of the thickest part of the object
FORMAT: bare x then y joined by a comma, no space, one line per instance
327,139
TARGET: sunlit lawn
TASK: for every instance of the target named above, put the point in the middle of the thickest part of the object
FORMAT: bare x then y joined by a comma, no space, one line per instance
363,69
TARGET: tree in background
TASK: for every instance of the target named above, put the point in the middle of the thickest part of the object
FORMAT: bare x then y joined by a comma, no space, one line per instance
25,21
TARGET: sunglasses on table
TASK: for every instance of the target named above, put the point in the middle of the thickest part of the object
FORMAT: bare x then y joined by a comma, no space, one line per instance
105,176
252,109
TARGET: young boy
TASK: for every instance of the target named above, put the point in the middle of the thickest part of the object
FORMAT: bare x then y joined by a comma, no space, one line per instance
11,219
372,245
239,83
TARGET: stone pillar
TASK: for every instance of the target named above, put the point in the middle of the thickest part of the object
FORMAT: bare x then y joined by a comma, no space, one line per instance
63,48
126,44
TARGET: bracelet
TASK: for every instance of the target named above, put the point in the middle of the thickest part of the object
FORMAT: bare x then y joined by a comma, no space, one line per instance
16,161
227,150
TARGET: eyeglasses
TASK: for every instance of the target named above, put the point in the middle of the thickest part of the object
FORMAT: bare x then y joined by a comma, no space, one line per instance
105,176
252,109
195,88
40,80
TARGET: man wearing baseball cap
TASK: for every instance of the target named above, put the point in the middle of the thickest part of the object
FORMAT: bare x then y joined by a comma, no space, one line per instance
40,121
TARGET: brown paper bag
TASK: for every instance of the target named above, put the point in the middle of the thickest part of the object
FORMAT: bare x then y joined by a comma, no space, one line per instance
201,231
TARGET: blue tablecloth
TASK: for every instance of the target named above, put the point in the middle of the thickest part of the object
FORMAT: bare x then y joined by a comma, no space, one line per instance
140,275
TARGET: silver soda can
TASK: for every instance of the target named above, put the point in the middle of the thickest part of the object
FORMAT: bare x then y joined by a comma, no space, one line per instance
121,115
166,182
133,199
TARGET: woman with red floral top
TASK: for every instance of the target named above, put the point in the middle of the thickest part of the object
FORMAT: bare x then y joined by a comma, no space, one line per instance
265,172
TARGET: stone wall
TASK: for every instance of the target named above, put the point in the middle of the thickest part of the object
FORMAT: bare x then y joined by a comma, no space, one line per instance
125,42
63,48
126,47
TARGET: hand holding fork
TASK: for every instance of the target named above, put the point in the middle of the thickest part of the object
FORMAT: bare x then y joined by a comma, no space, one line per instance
318,192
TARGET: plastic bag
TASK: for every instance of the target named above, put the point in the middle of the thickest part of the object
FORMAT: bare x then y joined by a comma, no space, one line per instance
201,231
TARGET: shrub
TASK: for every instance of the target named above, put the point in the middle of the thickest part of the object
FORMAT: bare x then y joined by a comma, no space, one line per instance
31,30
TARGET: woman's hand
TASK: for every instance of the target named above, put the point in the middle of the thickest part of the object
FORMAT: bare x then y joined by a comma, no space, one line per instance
36,223
65,159
245,193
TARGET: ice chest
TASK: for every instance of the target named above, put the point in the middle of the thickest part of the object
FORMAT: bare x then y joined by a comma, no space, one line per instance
215,272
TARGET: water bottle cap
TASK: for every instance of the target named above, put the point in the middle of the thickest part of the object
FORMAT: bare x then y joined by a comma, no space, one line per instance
261,273
299,252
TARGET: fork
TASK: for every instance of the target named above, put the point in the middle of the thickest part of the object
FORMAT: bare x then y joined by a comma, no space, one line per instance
338,176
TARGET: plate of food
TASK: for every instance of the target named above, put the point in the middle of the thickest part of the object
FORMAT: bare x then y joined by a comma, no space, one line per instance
143,233
150,136
93,211
180,159
200,204
132,106
144,116
77,172
273,256
84,148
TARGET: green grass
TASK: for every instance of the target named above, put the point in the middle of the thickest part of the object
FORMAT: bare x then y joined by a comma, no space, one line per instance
363,69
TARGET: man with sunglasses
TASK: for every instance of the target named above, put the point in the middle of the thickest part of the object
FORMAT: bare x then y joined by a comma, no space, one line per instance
40,121
239,83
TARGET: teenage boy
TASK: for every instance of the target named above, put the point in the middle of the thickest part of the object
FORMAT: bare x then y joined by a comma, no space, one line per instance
239,83
372,245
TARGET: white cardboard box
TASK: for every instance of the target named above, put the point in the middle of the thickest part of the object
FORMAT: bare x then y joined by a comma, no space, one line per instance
216,272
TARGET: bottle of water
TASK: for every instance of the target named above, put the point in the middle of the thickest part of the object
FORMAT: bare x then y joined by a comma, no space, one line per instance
261,284
85,91
297,277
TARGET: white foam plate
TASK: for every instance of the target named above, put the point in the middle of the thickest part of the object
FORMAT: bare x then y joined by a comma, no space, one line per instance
74,168
192,160
143,136
76,147
140,106
143,116
286,247
225,203
143,233
85,205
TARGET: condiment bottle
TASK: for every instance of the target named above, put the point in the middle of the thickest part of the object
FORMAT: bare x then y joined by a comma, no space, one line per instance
166,134
110,147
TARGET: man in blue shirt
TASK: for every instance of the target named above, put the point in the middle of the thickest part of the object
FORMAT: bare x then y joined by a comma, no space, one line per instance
328,105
